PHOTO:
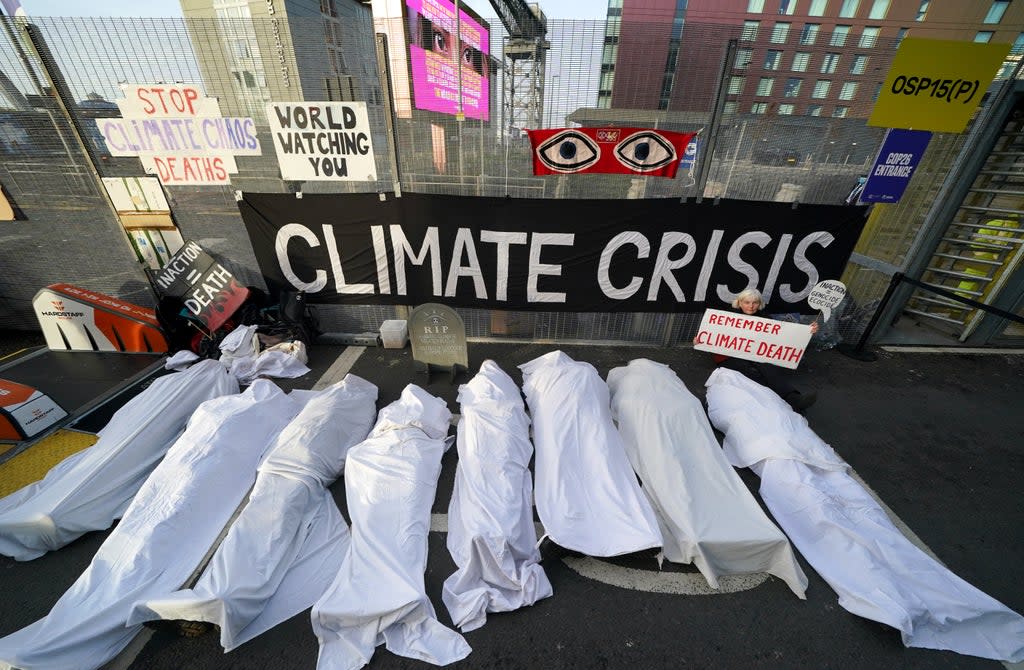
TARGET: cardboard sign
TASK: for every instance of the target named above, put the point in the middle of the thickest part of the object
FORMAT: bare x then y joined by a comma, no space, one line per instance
897,159
208,289
322,141
936,84
826,296
178,134
753,338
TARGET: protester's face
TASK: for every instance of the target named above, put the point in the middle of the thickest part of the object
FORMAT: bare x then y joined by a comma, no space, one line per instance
750,305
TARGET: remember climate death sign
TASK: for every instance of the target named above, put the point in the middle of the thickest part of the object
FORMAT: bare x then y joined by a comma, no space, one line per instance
656,255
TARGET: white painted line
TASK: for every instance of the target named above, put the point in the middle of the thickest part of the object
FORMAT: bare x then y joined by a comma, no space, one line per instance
339,368
653,581
128,655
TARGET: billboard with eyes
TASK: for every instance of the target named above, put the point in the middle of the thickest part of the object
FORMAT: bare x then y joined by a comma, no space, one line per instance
446,55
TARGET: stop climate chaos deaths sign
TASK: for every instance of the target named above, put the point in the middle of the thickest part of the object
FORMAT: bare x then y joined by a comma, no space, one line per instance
574,255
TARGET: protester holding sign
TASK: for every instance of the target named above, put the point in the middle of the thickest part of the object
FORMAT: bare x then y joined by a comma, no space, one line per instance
750,302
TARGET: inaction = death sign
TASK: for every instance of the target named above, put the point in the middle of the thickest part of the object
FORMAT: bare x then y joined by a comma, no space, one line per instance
753,338
322,141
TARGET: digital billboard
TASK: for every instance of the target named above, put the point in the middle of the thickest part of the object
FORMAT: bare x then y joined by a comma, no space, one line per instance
435,54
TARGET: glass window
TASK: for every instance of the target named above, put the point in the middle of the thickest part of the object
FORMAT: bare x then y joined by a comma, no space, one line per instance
879,9
772,59
839,36
859,64
817,8
787,7
821,88
848,91
813,110
755,6
841,112
764,86
922,10
829,63
848,10
800,61
785,110
1018,45
809,34
900,34
736,85
611,52
792,88
983,36
750,29
743,57
607,79
730,108
759,108
996,11
869,37
780,32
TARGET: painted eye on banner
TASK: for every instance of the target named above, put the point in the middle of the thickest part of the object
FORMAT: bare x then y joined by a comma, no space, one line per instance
645,151
568,151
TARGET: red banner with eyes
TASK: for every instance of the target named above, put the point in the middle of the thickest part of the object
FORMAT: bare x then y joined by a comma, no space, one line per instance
637,151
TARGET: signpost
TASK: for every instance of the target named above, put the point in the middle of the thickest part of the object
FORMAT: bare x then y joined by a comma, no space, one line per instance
897,159
936,84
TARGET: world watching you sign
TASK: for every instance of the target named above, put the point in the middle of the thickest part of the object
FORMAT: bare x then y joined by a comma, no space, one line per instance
322,141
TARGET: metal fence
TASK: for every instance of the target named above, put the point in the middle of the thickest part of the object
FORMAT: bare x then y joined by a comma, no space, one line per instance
53,156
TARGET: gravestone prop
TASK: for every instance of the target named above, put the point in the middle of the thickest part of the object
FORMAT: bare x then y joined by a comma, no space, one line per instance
438,340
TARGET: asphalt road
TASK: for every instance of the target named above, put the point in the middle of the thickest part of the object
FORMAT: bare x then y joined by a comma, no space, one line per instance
937,436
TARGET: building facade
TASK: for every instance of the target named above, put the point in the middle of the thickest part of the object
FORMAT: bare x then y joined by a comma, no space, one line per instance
793,57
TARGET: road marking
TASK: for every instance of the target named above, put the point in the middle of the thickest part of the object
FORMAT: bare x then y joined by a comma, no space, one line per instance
651,581
339,368
682,583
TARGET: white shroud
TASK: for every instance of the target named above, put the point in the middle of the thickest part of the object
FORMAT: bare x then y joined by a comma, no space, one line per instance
845,534
491,534
166,531
587,495
708,516
287,543
379,595
91,489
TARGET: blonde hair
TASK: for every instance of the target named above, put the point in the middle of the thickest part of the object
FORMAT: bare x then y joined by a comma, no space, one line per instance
749,293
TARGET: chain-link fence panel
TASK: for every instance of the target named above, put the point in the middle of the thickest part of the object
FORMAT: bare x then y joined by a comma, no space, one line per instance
778,117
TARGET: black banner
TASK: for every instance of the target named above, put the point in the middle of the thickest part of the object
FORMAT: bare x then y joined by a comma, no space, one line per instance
573,255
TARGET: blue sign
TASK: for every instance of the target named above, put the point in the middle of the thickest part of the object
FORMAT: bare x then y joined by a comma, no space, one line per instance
690,154
897,159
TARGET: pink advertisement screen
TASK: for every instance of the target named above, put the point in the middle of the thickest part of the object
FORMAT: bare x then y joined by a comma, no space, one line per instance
435,54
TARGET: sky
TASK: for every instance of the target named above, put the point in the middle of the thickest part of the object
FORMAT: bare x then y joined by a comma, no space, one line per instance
554,9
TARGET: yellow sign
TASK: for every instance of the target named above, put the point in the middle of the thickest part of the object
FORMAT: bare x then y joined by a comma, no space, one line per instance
936,84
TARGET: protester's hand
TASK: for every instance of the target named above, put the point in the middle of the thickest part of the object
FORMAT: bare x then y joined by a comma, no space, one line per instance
814,328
